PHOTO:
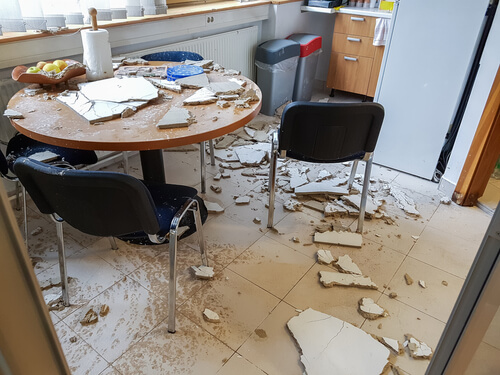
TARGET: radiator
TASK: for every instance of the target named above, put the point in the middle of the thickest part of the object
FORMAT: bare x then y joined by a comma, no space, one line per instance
8,88
232,50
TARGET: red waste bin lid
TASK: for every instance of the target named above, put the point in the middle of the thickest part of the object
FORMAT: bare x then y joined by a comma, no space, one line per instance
308,43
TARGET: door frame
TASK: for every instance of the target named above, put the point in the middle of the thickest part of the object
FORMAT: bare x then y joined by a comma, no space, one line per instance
483,153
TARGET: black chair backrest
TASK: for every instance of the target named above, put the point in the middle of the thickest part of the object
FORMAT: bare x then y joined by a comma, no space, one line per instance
4,167
176,56
330,132
96,203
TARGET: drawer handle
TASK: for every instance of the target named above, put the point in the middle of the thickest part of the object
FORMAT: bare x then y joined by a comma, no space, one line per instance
359,19
350,58
353,39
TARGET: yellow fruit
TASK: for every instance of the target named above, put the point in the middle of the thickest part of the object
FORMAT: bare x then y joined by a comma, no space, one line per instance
51,67
40,64
33,69
61,64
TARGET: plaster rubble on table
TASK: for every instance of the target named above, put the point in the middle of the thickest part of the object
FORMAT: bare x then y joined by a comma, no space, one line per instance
167,85
10,113
331,346
329,279
176,118
226,88
119,90
197,81
201,96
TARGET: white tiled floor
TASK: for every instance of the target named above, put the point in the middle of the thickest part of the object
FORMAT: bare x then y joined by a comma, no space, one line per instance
262,277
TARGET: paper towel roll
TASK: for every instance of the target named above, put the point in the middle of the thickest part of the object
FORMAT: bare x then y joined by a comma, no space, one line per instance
97,54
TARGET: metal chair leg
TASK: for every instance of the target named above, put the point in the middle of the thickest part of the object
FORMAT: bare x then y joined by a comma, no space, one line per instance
364,195
113,243
172,281
203,167
199,232
25,217
212,152
353,173
272,179
18,194
125,162
62,261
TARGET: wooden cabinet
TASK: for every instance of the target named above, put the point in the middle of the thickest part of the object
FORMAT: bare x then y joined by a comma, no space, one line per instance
355,61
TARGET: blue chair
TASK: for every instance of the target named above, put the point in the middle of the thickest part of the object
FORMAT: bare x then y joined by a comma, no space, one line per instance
180,56
114,204
23,146
327,133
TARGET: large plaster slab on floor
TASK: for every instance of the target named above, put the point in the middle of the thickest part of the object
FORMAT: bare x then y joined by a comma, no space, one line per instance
332,346
339,238
324,187
329,279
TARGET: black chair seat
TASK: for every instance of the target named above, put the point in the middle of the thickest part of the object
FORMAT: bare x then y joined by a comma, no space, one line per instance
168,199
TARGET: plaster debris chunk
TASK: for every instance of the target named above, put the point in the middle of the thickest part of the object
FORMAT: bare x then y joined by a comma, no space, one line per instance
167,85
202,96
89,318
252,155
422,284
334,209
203,272
202,63
397,370
339,238
325,257
104,310
44,156
345,265
332,346
355,201
241,103
10,113
393,345
176,118
444,282
213,208
250,96
228,97
292,205
225,142
329,279
216,189
211,316
418,349
218,176
408,279
223,103
242,200
323,187
257,220
445,200
197,81
323,175
370,310
404,202
393,295
226,88
315,205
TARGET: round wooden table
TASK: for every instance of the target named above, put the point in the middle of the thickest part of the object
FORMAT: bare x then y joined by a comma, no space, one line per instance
55,123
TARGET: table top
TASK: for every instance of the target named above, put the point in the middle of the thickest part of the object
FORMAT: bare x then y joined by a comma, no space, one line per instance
55,123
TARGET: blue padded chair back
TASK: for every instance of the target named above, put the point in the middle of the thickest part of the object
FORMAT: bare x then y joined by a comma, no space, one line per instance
96,203
330,132
4,167
21,145
176,56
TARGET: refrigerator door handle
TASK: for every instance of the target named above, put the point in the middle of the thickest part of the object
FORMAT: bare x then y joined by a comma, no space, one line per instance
360,19
350,58
350,39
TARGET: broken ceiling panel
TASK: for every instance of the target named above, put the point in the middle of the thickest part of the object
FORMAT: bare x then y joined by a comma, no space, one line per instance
324,187
329,279
176,118
119,89
332,346
339,238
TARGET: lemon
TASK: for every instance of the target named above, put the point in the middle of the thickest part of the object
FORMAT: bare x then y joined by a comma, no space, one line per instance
51,67
33,69
61,64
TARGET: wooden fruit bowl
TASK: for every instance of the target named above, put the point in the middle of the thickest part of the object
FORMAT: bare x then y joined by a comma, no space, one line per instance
73,69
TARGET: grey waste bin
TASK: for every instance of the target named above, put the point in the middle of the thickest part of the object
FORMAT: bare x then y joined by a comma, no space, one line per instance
310,48
276,62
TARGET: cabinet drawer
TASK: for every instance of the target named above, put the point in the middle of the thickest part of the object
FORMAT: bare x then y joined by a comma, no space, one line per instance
353,45
349,73
355,25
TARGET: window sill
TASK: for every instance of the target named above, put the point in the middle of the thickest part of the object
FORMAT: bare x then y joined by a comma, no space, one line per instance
173,12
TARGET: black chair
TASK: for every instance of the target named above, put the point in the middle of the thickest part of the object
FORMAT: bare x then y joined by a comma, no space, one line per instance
114,204
180,56
327,133
23,146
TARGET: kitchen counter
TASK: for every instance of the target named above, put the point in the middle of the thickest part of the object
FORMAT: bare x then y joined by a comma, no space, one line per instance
358,11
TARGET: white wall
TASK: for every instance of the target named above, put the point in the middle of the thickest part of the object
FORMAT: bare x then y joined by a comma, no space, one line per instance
489,65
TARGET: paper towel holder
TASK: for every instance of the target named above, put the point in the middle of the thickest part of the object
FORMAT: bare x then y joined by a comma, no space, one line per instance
93,18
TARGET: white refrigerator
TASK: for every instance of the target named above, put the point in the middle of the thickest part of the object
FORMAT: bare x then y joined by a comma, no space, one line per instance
429,53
